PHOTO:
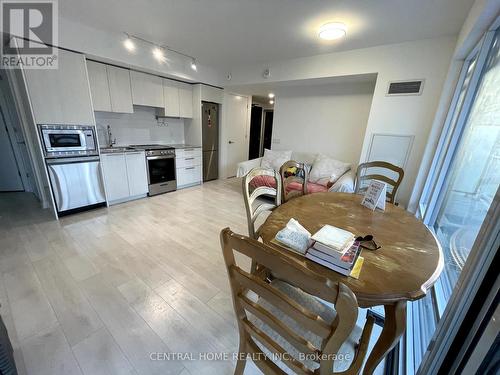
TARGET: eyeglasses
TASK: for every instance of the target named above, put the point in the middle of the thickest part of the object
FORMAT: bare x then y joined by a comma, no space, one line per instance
367,242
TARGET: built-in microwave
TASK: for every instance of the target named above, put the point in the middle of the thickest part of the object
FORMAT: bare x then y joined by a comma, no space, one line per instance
68,140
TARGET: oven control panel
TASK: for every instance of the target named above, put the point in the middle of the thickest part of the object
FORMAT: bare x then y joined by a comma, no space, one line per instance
160,153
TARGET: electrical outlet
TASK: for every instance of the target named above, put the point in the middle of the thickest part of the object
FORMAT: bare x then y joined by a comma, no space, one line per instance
276,141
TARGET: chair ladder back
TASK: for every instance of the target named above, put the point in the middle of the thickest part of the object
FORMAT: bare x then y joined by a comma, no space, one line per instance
287,180
260,336
393,184
250,197
300,314
332,334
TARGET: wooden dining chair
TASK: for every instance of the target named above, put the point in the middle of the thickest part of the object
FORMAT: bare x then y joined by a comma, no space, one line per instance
300,316
363,179
300,176
254,206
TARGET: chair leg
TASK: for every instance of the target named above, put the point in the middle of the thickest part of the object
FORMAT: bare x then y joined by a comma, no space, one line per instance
253,268
240,367
241,362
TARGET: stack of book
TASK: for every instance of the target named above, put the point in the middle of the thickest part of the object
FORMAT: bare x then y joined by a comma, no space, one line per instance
334,248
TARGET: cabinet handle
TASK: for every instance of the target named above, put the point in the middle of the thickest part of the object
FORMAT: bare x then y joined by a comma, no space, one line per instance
190,168
189,149
189,159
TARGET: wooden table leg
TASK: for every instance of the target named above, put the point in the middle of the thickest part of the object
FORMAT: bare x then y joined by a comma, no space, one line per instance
394,326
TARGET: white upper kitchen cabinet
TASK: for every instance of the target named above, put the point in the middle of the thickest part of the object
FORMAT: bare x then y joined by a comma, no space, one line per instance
186,101
62,95
110,88
147,89
99,86
171,96
120,90
137,174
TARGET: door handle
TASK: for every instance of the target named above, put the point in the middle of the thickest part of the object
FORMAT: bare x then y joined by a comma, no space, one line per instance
230,142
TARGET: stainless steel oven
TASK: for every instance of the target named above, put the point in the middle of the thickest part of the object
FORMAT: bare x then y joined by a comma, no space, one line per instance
160,162
68,140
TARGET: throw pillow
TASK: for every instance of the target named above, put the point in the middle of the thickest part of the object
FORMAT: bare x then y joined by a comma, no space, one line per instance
326,169
275,159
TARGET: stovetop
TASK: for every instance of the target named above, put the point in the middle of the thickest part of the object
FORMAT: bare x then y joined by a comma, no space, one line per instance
152,147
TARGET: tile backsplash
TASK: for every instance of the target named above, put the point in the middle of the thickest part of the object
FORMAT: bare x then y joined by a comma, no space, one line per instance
140,127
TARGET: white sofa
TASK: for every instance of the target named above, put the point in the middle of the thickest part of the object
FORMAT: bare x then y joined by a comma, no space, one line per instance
345,184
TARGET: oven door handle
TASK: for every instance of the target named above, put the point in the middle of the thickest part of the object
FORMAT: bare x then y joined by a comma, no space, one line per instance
83,159
160,157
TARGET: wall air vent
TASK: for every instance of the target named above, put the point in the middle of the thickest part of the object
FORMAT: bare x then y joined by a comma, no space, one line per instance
413,87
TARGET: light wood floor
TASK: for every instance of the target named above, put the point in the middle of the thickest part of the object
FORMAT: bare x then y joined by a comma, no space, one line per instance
98,292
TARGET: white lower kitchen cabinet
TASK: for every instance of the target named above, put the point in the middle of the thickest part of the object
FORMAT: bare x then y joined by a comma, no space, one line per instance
125,176
188,167
114,170
137,174
188,176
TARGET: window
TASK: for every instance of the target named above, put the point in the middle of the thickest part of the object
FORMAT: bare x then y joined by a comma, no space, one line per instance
464,178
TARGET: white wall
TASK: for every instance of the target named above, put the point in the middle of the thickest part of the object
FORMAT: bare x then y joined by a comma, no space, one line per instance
328,118
139,127
16,135
29,128
407,115
107,47
481,15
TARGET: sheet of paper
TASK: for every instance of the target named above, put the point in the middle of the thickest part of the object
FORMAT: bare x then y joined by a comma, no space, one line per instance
375,195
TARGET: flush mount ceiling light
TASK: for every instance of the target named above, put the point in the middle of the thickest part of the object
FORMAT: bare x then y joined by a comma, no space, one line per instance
332,31
193,65
270,95
271,101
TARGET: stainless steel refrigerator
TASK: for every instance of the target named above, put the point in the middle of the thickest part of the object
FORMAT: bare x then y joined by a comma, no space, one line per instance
210,136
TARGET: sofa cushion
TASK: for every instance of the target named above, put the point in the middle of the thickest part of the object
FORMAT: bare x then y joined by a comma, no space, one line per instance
275,159
270,182
326,169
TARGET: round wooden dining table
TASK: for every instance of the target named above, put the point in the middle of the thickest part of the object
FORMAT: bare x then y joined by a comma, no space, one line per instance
407,264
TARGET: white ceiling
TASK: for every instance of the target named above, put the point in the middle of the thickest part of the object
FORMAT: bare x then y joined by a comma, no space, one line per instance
227,33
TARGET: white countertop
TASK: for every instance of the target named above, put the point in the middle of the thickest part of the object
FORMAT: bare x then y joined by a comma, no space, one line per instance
182,145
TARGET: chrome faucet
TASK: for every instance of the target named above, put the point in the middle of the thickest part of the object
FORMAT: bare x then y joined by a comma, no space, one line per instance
111,141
